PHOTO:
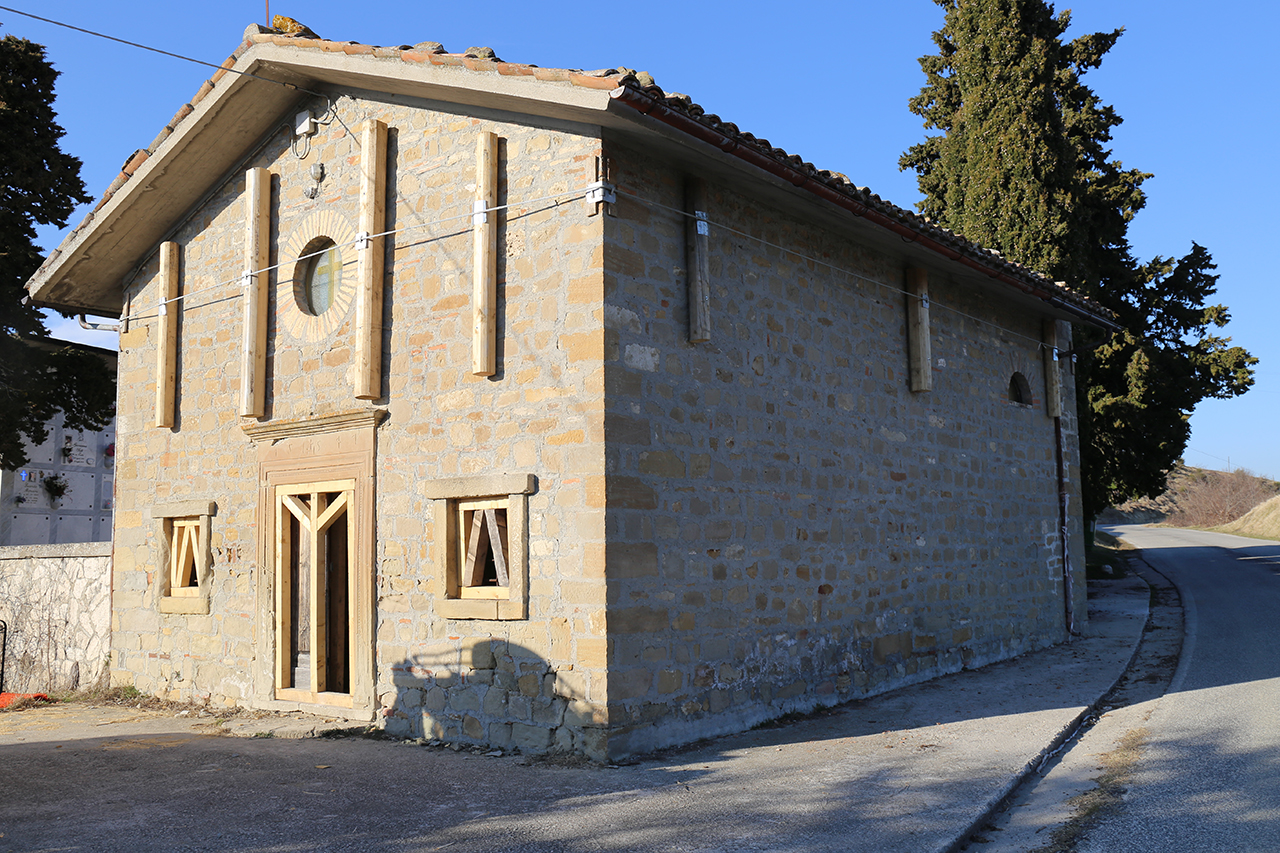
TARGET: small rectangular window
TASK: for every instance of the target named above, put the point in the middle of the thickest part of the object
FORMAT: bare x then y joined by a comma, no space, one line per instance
480,540
183,578
485,554
184,538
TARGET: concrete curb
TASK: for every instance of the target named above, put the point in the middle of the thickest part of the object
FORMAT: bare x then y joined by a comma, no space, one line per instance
1064,736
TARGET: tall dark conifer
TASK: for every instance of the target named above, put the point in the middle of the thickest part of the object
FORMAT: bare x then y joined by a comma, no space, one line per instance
38,184
1023,166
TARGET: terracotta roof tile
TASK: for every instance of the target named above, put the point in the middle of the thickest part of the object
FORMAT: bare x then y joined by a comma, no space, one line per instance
164,134
183,112
205,89
447,59
583,80
416,55
552,75
135,160
514,69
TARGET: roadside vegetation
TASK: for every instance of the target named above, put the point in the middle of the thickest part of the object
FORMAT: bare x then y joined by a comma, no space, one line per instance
1229,501
1261,522
1107,558
126,697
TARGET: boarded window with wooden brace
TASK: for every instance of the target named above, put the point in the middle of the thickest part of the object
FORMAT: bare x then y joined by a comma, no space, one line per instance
485,553
184,538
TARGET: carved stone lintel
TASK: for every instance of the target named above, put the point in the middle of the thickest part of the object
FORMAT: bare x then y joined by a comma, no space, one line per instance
276,430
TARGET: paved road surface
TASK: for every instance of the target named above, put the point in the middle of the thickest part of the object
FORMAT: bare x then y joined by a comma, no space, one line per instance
1209,779
1199,767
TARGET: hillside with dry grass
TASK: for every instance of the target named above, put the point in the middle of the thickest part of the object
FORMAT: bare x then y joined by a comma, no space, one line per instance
1198,497
1261,522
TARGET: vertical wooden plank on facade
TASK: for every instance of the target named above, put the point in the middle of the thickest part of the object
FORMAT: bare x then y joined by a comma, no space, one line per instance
373,217
253,352
484,226
167,335
283,594
1052,370
919,355
447,549
318,601
698,259
353,592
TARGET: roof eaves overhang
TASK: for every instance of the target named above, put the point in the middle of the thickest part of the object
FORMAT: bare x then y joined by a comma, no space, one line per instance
228,120
249,99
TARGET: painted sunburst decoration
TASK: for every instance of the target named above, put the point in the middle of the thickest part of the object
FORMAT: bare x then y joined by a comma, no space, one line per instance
314,294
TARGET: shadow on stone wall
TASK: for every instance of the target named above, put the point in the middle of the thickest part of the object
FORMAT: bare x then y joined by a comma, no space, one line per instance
491,692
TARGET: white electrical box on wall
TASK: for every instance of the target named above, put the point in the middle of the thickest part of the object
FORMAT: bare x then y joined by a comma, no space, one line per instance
304,124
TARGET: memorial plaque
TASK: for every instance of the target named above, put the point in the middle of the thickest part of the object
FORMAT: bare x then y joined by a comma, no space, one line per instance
42,454
81,492
75,528
29,485
79,448
29,529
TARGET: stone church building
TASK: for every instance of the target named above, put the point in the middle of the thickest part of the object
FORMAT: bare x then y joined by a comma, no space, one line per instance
539,408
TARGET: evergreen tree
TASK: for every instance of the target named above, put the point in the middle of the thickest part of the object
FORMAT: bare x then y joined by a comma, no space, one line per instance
1023,166
38,184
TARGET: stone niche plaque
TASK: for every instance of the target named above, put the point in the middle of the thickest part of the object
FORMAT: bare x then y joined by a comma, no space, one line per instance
82,491
75,528
30,529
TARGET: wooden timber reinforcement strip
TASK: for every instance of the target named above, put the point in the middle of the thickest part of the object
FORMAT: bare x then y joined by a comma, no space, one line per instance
1052,368
697,249
373,215
257,247
919,352
167,335
484,276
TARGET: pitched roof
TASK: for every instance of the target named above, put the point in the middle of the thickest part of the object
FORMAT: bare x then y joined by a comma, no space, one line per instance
635,92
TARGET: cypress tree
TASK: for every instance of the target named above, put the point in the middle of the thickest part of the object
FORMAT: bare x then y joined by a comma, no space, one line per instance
1023,166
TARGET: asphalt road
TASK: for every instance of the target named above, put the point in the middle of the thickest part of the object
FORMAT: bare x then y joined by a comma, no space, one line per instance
1208,778
1197,768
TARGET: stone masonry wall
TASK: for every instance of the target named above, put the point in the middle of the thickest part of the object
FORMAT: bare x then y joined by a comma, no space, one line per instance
789,525
56,602
537,683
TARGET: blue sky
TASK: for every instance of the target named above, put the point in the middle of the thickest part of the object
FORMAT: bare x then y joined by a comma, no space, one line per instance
828,81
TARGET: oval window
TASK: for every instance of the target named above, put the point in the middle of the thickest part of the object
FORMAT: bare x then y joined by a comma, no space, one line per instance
321,276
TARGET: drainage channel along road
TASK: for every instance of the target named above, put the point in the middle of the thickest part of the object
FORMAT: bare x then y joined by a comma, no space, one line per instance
1086,780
